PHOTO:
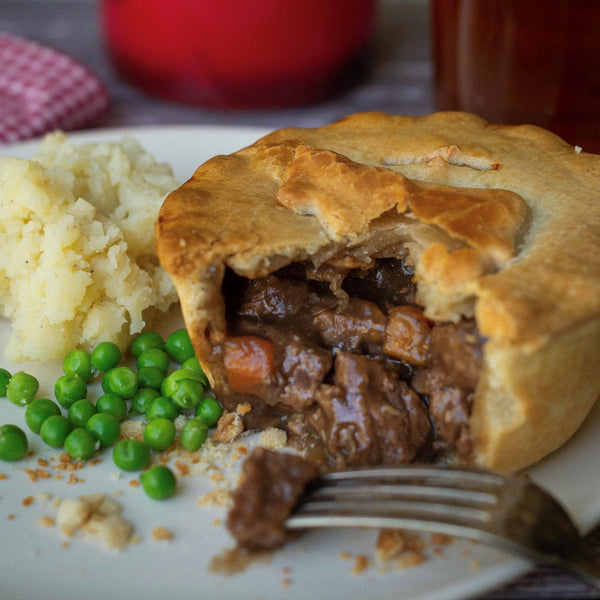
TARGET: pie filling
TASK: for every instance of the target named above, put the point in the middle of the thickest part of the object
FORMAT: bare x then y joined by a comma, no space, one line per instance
347,363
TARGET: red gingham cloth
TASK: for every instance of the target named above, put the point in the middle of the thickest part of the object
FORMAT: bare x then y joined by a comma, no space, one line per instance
42,89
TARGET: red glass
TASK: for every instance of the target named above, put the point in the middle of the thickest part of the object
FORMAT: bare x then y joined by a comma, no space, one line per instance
239,53
522,61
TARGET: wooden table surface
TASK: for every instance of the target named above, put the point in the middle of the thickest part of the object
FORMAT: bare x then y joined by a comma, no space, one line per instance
400,81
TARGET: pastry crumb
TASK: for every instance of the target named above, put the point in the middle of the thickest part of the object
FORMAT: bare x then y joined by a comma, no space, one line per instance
403,549
243,409
96,515
361,564
229,428
46,521
272,438
218,497
162,534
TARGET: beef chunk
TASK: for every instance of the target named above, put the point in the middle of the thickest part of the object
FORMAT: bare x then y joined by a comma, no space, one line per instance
271,298
450,409
456,350
271,485
304,367
449,381
407,335
358,328
388,283
368,416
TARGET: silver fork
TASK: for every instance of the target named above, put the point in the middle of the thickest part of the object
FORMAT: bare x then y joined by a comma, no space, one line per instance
508,511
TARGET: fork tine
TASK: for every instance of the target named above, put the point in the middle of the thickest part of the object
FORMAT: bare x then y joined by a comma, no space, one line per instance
447,475
470,488
408,491
428,516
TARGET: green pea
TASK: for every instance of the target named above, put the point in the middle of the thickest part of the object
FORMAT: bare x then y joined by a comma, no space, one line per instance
78,362
188,393
22,388
151,377
105,380
162,407
13,443
159,482
154,357
38,411
68,389
112,404
179,346
193,434
142,400
80,444
146,340
4,379
80,412
105,428
105,356
209,410
171,382
159,434
193,364
54,430
123,381
131,455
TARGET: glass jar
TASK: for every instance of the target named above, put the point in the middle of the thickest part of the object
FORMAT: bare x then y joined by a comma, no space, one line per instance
522,61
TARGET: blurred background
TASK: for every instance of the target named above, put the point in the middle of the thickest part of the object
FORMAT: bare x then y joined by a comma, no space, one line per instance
399,77
277,63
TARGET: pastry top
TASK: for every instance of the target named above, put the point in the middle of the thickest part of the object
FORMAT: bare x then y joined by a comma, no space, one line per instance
513,213
502,223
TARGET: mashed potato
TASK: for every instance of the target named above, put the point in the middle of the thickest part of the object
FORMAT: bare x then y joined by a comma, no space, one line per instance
77,260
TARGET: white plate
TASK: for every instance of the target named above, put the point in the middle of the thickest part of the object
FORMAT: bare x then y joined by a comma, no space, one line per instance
36,566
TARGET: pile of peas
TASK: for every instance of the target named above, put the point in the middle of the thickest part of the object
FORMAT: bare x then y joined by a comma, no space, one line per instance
167,380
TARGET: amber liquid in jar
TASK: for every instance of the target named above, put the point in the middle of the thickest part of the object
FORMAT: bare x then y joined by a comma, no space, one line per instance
521,61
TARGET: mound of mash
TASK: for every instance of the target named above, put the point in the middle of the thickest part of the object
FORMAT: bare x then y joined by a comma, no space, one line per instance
78,263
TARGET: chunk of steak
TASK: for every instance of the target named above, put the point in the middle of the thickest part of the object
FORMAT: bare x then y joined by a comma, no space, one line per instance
304,367
368,416
271,298
449,382
360,327
272,483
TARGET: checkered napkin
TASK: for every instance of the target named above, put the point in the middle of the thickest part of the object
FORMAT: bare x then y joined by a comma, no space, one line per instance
42,89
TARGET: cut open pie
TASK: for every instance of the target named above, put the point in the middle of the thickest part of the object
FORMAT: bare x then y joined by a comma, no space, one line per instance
390,289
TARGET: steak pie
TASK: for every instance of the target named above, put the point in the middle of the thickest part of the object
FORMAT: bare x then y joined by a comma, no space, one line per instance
391,289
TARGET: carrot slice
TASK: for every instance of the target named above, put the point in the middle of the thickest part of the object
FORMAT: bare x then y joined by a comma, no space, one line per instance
249,362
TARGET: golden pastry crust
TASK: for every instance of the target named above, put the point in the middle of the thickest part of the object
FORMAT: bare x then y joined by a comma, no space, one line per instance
502,223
